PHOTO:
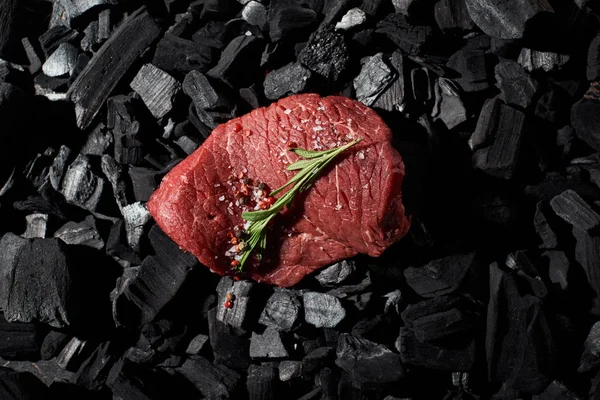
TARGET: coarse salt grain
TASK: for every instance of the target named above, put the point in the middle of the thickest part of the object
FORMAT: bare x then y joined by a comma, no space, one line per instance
222,198
287,111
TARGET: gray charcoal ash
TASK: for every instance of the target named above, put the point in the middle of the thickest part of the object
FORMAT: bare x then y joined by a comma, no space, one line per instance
36,226
573,209
375,75
289,79
353,18
255,13
62,61
323,310
197,344
84,233
336,273
547,61
81,185
289,370
281,311
156,88
268,344
241,290
136,217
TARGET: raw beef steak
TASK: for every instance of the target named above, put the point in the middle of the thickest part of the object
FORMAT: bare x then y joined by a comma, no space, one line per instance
354,207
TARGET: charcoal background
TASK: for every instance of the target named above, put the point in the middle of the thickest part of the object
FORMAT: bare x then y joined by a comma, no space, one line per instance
492,294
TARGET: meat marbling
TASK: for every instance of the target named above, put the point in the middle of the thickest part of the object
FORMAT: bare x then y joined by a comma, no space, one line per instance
355,206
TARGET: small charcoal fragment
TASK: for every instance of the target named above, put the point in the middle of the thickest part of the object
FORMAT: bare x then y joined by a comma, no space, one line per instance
214,382
36,226
336,273
239,293
452,111
136,217
114,174
239,61
81,186
590,358
486,124
83,233
317,359
517,86
438,325
228,349
353,18
543,228
374,77
587,254
323,310
197,344
19,340
289,370
593,60
558,269
187,144
94,371
144,182
534,60
156,88
128,380
507,19
393,98
585,116
367,362
176,55
62,61
281,311
410,38
573,209
439,277
35,59
53,37
261,382
292,78
255,14
267,345
290,21
98,142
95,83
53,344
90,37
452,15
326,54
472,68
71,10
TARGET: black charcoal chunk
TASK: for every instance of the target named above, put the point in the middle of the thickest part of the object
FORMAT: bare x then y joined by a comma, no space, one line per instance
156,88
289,370
81,185
585,116
268,344
367,362
333,10
323,310
20,340
543,228
144,182
281,311
36,226
290,21
94,371
439,277
55,36
326,54
317,359
535,60
472,68
212,34
558,268
353,18
506,19
336,273
517,86
114,174
214,382
590,358
375,75
436,326
393,98
587,254
97,142
73,9
53,344
290,79
430,306
176,55
228,349
61,61
239,61
262,382
35,59
573,209
128,380
104,24
90,37
239,292
84,233
410,38
255,13
452,15
95,83
204,94
188,144
459,357
486,124
451,109
197,344
21,385
593,59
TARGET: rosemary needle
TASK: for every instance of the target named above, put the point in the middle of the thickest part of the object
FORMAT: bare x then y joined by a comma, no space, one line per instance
309,167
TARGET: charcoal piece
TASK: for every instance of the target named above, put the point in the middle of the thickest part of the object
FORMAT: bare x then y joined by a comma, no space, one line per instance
367,362
94,371
502,156
36,226
343,291
543,228
333,10
218,9
90,37
84,233
585,116
212,34
73,354
20,340
403,6
558,269
261,382
289,370
486,124
228,349
114,174
587,254
535,60
508,19
97,142
393,98
175,55
323,310
452,111
552,105
290,21
81,185
197,344
517,86
459,357
590,358
412,39
95,83
268,344
439,325
574,210
439,277
326,54
290,79
255,13
144,182
524,356
430,306
73,9
35,59
104,25
61,61
128,380
281,311
374,77
204,94
593,60
53,344
472,68
156,88
452,15
21,385
239,292
55,36
188,144
214,382
353,18
317,359
336,273
239,61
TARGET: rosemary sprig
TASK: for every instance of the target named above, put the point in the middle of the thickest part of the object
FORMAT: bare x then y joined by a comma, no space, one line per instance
309,167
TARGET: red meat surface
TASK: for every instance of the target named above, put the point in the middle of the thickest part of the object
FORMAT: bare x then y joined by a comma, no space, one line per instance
355,206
